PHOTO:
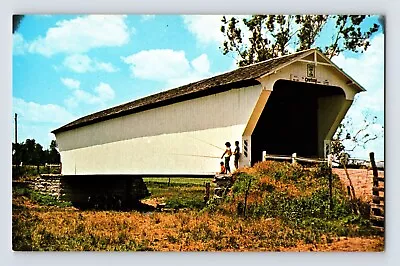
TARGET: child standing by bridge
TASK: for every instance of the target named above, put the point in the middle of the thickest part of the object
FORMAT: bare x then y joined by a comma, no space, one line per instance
227,154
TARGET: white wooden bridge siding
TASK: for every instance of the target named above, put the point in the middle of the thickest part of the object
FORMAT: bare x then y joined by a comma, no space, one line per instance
183,138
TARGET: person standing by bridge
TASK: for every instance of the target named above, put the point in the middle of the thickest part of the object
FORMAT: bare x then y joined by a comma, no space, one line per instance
236,154
227,154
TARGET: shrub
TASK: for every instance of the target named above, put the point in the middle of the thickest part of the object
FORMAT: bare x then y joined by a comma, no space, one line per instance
297,196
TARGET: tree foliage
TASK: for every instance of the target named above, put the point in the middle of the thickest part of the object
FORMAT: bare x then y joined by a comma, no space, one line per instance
261,37
32,153
272,35
354,135
16,22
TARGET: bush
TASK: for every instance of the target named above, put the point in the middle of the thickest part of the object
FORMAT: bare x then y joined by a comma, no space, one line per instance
298,197
279,170
242,182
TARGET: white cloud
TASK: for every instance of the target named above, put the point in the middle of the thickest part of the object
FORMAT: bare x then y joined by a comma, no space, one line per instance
147,17
43,16
44,113
368,70
207,28
83,63
201,64
103,93
81,34
200,69
107,67
168,66
159,64
71,83
233,65
19,44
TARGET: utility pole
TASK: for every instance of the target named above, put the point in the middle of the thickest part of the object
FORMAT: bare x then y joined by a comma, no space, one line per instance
16,130
18,170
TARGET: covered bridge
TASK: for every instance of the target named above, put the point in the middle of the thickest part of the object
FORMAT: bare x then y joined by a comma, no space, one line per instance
288,104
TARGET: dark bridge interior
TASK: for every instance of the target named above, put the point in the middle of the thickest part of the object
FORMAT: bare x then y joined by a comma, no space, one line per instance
289,121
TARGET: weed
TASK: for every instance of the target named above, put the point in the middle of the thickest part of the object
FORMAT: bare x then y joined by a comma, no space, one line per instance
37,197
286,206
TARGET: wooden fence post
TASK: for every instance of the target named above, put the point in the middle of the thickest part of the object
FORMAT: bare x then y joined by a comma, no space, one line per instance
330,159
353,192
294,155
375,180
264,153
378,202
245,198
374,168
207,194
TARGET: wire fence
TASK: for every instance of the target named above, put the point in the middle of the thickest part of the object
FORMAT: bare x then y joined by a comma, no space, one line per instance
32,170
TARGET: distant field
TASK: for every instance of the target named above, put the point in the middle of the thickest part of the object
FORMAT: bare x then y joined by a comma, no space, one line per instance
178,192
178,180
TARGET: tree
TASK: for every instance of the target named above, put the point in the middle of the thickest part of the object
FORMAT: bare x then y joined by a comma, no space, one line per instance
17,153
355,137
382,22
16,22
29,152
32,153
53,154
272,35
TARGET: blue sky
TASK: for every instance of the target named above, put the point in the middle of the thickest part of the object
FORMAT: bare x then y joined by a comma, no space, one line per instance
65,67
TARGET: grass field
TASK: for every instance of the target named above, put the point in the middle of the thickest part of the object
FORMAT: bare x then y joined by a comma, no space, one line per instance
177,193
287,209
187,181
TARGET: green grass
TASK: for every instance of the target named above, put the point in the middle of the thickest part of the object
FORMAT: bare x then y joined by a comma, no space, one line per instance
178,180
39,198
300,199
180,192
31,170
286,205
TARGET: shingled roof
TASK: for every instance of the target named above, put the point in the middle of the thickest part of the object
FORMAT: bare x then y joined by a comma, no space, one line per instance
243,76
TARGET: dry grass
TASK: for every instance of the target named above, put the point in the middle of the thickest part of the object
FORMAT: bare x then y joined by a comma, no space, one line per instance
214,228
343,244
71,229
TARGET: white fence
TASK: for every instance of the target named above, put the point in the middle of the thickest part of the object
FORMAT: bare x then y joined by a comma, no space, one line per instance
294,158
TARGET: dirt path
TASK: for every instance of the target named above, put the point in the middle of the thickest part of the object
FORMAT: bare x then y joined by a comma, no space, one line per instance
344,244
361,179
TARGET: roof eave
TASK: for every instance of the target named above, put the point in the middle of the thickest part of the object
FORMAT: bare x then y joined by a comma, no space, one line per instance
361,88
300,56
193,95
